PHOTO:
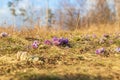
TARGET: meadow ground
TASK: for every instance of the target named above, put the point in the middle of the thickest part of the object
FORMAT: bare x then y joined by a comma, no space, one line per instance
78,61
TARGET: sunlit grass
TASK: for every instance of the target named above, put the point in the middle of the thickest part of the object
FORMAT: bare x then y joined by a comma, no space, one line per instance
50,62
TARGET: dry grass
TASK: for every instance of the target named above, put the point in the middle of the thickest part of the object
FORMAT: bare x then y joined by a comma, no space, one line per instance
100,29
61,63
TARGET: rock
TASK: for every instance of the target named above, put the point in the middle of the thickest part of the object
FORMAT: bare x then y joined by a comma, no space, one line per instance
22,55
35,60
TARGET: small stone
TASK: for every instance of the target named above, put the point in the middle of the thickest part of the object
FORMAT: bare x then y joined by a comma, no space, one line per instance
22,55
36,59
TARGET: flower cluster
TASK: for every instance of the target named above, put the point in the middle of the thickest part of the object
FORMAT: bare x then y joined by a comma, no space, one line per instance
99,51
35,44
57,41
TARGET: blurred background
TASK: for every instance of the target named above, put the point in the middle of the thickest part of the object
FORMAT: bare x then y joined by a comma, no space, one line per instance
59,14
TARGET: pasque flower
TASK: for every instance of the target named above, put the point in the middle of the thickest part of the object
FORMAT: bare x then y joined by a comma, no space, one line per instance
63,41
35,44
55,41
3,34
48,42
59,41
99,51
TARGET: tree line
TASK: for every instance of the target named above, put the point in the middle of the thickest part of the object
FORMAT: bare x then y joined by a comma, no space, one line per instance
70,15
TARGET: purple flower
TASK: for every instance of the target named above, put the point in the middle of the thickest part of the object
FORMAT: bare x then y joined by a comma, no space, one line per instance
102,50
56,43
35,44
55,39
4,34
63,41
117,49
59,41
48,42
99,51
